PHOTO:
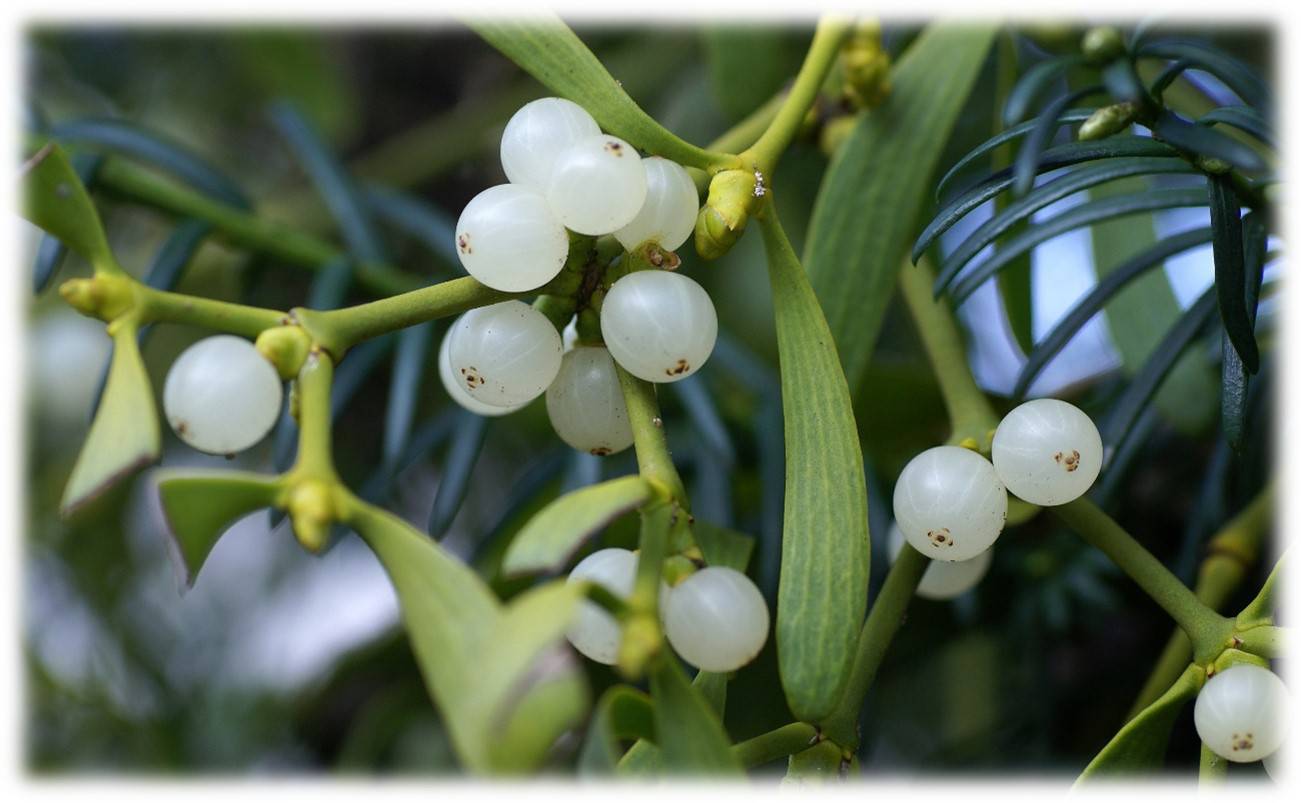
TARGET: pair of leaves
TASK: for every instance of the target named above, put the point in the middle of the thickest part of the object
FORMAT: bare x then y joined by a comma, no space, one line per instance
549,51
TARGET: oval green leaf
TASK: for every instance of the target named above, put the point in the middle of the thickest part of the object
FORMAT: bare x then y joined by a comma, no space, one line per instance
124,436
546,543
55,200
1140,746
200,506
822,590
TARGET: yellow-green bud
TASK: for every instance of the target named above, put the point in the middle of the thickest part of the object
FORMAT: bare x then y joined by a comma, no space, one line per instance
1101,45
835,132
311,509
1210,164
1108,120
733,196
285,347
866,66
104,297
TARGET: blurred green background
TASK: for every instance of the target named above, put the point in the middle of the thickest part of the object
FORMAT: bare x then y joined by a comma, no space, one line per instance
278,661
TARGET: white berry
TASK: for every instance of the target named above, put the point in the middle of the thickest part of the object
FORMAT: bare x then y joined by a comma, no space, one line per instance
944,579
668,215
716,619
597,186
594,632
535,136
585,403
659,326
508,239
221,395
457,391
1241,713
1047,452
504,354
949,503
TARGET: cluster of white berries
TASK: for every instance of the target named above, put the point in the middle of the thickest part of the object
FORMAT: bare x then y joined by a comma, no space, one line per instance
659,326
950,503
715,619
1242,713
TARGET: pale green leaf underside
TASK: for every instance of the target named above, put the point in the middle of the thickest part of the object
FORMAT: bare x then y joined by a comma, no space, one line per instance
822,592
550,538
200,506
1140,746
124,436
690,732
503,689
553,54
866,214
56,201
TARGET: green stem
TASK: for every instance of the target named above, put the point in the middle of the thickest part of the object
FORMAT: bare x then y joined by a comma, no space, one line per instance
314,451
653,459
1211,769
970,413
883,621
1266,641
164,307
1261,608
338,330
1207,630
238,227
827,38
779,743
1232,551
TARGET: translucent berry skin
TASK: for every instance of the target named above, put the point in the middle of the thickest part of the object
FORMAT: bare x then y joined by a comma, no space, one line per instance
594,632
944,579
1241,713
508,239
668,215
504,354
716,619
949,503
221,396
1047,452
536,135
585,403
660,326
458,393
598,185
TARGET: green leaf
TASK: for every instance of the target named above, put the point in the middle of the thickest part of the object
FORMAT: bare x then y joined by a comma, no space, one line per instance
124,436
881,174
552,53
622,713
55,200
1243,118
201,506
1022,209
1230,271
546,543
1002,138
1140,746
1233,393
486,667
721,546
1076,217
454,481
50,254
1138,318
690,733
1157,366
1206,141
1236,75
1109,284
1026,166
822,592
130,140
1060,156
1037,80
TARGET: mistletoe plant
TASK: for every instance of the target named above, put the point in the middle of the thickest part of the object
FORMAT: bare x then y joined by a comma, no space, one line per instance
574,293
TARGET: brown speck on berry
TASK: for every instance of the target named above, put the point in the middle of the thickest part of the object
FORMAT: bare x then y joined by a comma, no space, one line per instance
473,378
463,244
601,451
181,427
940,537
615,148
680,368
